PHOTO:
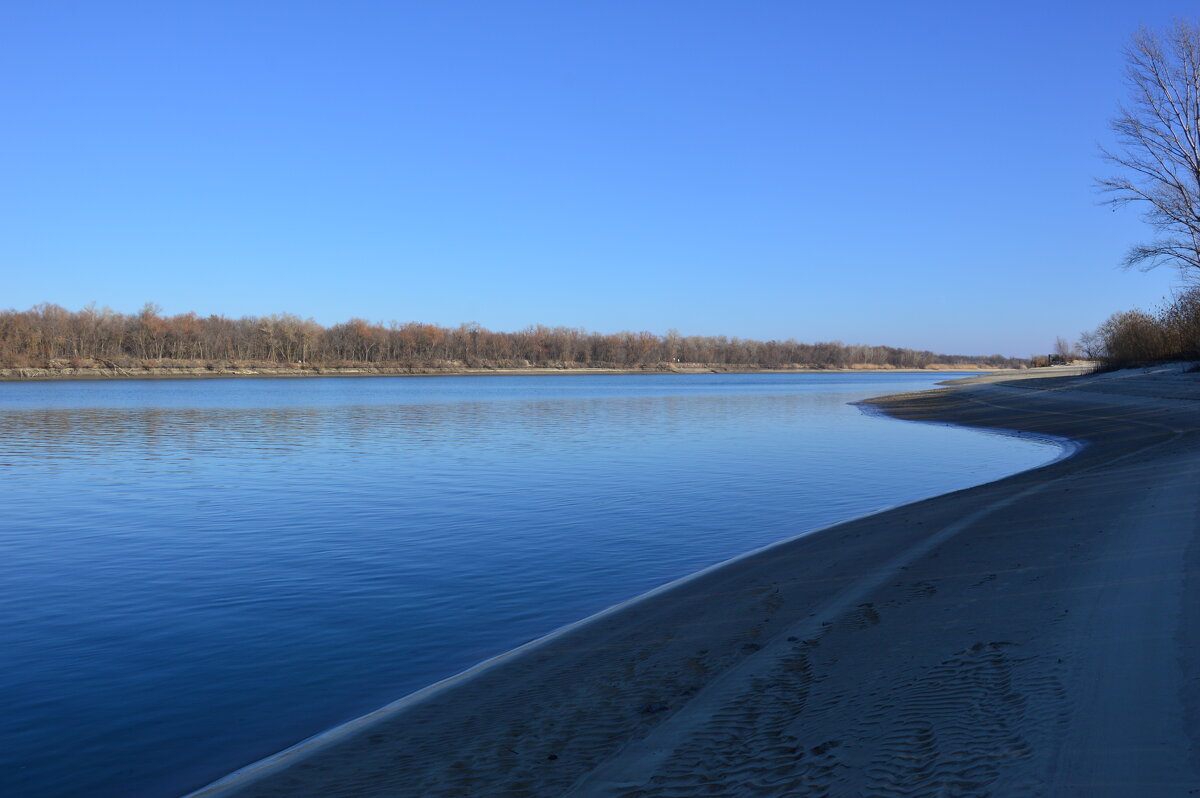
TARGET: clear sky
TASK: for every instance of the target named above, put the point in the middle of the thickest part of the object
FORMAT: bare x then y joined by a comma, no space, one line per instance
915,174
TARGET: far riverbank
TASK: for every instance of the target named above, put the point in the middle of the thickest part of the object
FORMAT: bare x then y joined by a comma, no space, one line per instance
173,372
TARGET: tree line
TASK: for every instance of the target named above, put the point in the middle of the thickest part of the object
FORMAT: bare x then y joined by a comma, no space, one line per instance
50,335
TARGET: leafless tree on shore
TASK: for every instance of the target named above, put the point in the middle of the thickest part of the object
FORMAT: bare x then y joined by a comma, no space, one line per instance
1159,137
1064,349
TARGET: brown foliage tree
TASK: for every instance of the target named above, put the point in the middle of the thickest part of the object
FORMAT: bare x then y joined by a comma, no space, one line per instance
47,332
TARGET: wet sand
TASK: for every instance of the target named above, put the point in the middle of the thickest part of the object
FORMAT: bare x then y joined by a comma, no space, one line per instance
1036,635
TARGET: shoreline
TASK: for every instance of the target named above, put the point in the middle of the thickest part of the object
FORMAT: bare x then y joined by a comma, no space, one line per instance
275,763
766,666
86,374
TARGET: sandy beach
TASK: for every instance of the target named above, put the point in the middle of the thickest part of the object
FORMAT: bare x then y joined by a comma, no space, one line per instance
1039,635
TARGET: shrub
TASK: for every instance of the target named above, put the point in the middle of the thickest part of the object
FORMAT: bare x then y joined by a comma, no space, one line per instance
1133,336
1180,322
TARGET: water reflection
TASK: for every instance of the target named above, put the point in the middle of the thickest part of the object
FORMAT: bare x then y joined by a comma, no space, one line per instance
78,431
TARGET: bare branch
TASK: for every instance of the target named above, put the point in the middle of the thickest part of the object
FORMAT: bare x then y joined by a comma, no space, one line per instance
1159,138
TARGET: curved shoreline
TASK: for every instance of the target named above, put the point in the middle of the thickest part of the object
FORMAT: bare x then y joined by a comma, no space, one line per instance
600,706
1068,447
279,761
311,745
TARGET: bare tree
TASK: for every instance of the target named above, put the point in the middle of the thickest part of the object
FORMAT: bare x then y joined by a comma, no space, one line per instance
1090,345
1063,349
1159,136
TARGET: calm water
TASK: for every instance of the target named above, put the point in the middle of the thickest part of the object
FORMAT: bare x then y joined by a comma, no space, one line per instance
196,574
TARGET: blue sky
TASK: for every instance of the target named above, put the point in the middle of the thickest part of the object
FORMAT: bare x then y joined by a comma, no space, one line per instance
912,174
